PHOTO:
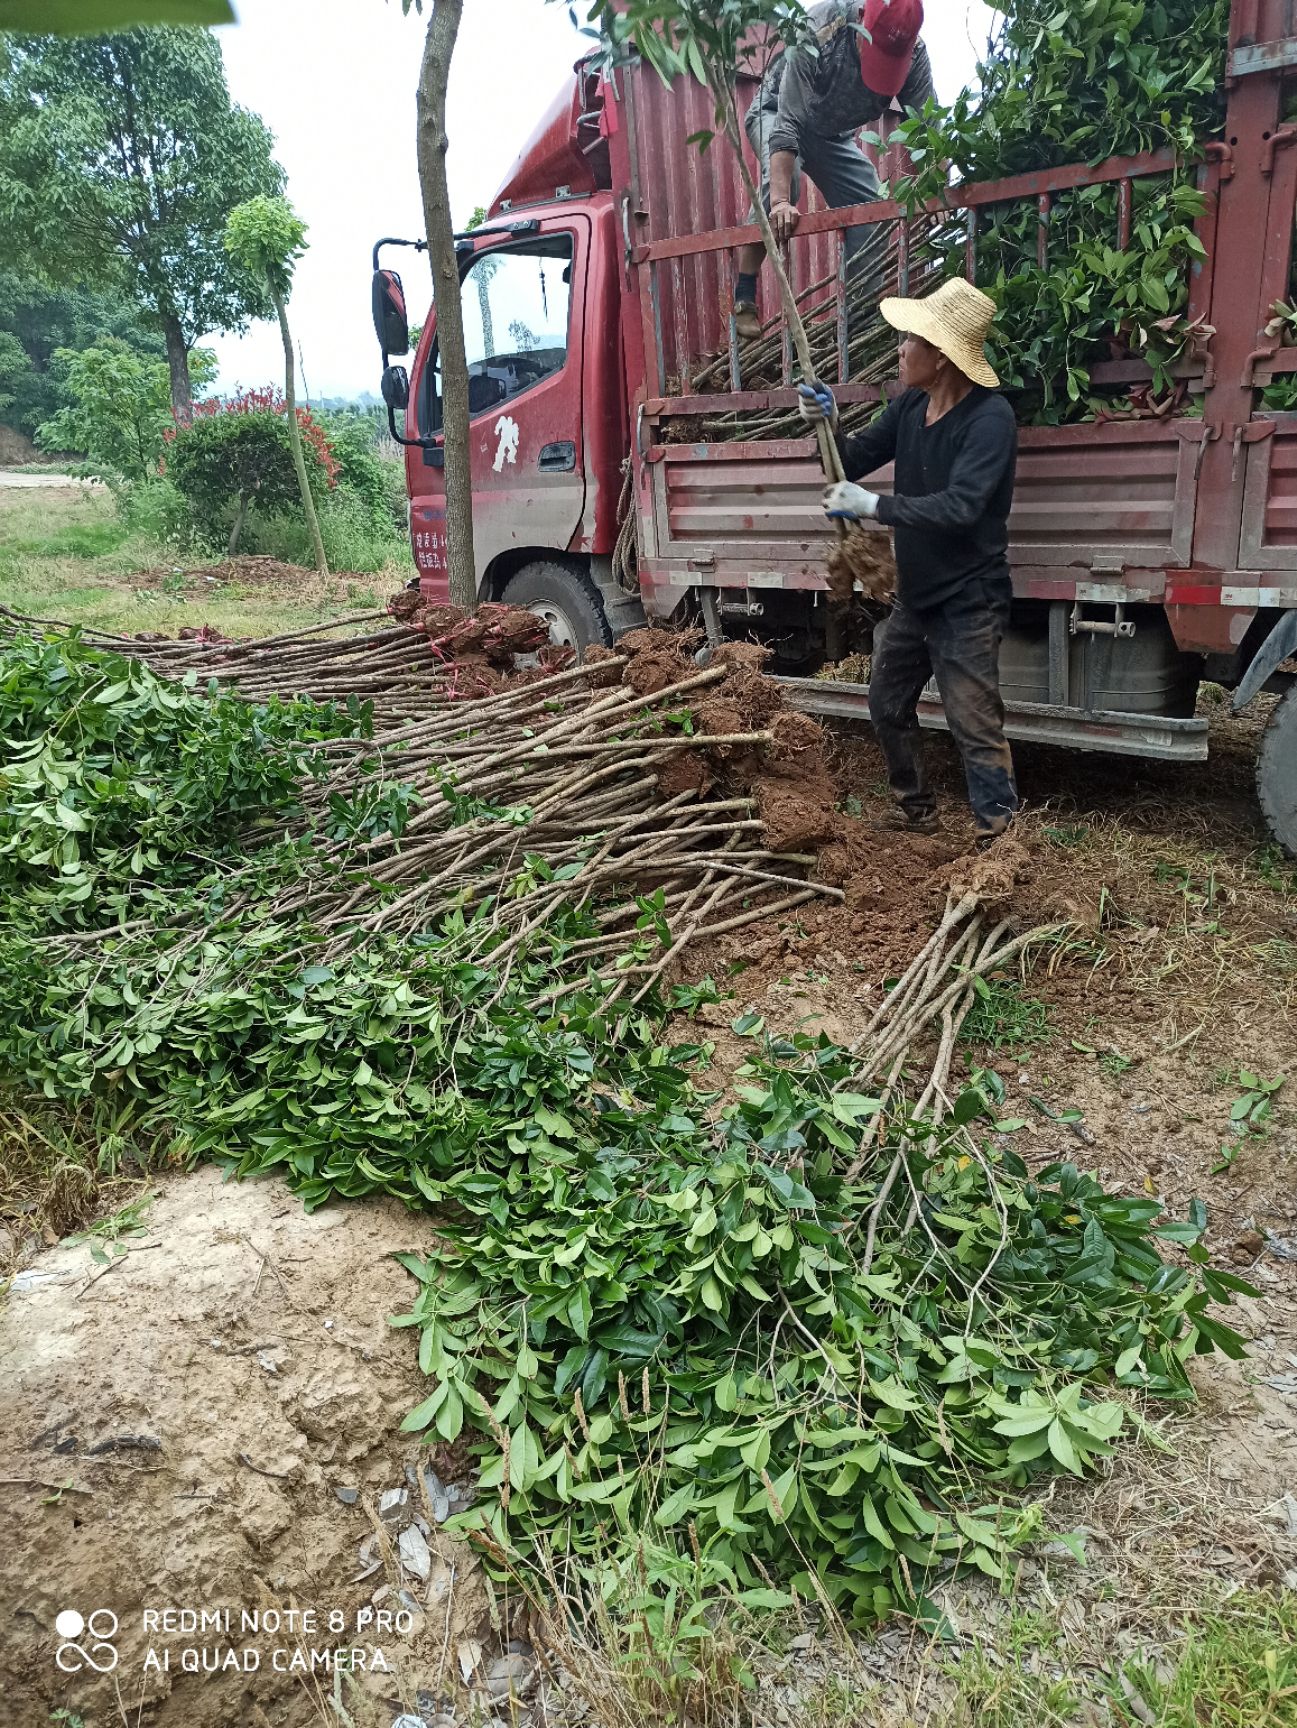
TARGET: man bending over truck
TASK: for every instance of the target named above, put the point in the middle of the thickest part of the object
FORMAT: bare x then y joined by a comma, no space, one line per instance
954,442
808,108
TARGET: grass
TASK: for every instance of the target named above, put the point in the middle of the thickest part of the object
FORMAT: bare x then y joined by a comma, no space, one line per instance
1004,1018
1237,1668
66,1169
66,554
1231,1665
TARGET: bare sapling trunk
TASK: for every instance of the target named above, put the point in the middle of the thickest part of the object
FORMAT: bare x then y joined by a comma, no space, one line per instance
295,438
240,518
434,76
829,457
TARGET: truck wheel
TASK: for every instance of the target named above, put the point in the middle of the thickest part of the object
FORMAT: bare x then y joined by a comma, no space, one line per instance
566,599
1276,772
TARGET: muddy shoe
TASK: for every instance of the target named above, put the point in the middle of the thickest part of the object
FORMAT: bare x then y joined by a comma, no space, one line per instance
984,842
746,321
900,822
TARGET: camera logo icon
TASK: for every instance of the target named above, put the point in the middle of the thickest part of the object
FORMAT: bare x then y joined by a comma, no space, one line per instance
98,1628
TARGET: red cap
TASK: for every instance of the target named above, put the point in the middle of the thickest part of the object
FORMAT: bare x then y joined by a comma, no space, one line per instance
891,28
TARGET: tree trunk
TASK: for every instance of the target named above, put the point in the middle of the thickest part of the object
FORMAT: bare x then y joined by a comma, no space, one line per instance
241,516
295,437
182,395
829,458
434,75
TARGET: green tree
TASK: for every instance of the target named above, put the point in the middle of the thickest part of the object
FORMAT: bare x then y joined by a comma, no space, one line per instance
714,41
266,239
119,406
36,321
90,17
120,157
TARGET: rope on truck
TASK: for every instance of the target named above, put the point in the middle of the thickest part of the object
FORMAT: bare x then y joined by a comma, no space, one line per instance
625,554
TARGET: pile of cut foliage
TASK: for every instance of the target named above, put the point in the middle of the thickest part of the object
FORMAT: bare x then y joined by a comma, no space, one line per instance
652,1309
1062,85
1057,86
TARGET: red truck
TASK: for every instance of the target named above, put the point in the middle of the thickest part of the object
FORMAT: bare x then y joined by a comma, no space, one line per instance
1148,554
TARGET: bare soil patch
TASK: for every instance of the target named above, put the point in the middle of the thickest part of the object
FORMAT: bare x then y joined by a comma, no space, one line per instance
211,1422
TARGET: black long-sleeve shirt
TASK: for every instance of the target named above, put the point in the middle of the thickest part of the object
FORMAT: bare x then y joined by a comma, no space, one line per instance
951,493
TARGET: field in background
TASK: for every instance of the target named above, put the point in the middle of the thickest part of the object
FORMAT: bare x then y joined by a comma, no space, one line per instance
66,554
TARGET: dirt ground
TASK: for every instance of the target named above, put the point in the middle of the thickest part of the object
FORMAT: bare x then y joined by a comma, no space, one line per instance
186,1425
212,1419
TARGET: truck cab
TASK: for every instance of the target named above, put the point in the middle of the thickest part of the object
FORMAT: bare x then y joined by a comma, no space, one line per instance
541,296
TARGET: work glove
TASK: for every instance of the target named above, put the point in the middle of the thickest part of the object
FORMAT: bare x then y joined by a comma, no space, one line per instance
845,502
815,403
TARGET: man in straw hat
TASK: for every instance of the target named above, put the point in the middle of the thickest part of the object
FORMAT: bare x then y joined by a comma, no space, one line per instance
954,443
808,109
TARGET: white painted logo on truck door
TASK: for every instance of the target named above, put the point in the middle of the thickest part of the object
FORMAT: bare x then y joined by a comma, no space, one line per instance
506,430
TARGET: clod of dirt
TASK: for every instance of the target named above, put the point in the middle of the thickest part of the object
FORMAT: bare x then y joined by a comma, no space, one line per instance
405,603
208,634
685,771
657,658
862,555
173,1432
751,655
991,876
437,620
719,718
797,747
602,676
795,818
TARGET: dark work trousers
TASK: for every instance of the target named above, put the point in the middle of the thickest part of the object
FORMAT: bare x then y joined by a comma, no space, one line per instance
959,641
838,166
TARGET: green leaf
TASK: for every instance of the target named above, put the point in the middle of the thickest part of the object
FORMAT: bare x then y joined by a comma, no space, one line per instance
674,1507
98,17
450,1418
70,819
851,1108
1060,1445
1126,1362
968,1106
423,1413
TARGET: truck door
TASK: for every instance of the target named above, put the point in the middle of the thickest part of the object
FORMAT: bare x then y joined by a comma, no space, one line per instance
523,300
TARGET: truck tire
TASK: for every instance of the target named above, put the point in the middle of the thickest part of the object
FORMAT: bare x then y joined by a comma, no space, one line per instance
567,599
1276,772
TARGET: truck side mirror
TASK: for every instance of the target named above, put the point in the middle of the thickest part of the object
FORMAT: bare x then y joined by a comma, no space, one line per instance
391,325
396,387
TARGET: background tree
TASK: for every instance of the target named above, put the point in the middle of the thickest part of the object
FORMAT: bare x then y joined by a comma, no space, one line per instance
89,17
118,406
266,239
434,76
36,321
120,157
483,271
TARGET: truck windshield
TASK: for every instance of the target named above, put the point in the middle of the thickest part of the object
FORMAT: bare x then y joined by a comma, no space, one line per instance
515,301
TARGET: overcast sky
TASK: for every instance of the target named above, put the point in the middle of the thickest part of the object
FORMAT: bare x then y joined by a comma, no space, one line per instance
334,80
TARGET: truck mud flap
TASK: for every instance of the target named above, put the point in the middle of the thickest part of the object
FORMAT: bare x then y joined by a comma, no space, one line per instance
1153,735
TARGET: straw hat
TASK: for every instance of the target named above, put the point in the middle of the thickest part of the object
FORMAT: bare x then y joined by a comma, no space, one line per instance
955,319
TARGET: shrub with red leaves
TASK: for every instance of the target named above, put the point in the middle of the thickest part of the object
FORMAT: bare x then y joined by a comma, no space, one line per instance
267,400
236,455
